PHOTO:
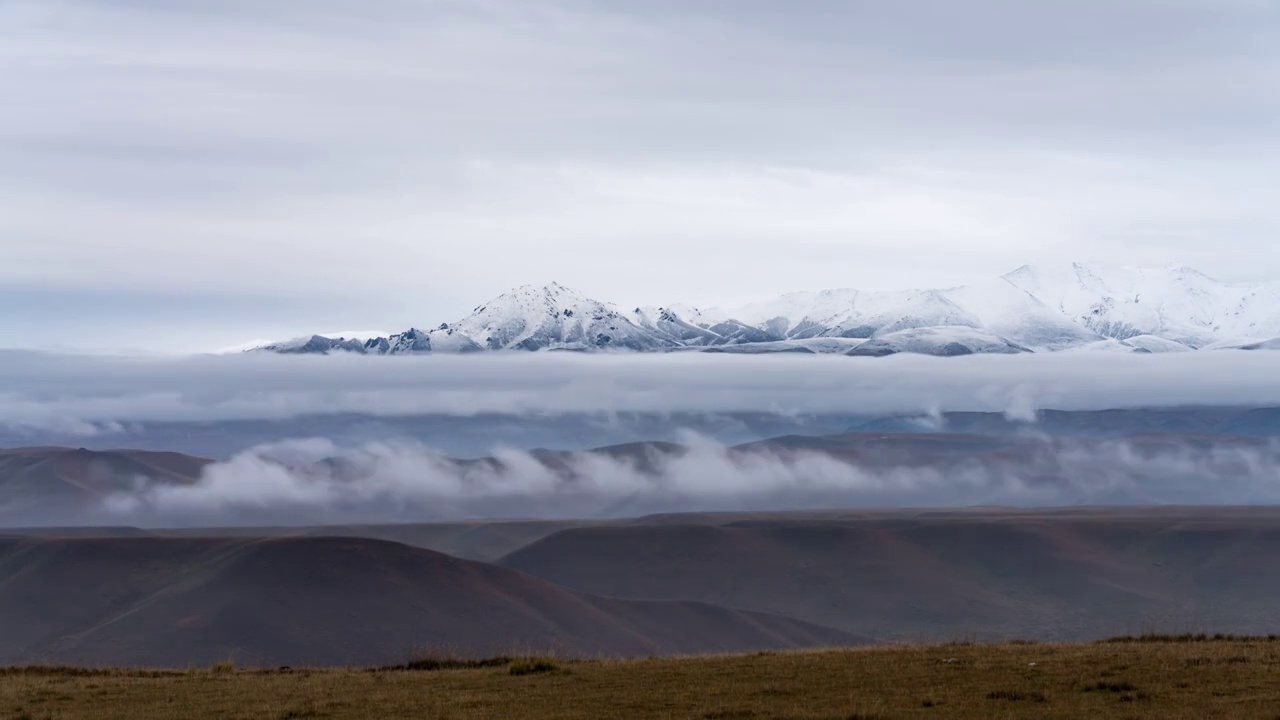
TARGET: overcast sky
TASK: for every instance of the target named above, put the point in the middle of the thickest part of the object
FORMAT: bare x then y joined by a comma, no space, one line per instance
181,174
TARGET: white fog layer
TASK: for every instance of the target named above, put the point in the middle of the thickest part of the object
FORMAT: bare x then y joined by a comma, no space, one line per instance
91,395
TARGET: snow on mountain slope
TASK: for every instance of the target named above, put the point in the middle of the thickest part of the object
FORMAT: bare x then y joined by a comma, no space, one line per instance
794,314
315,345
850,313
1255,315
413,340
1105,345
945,341
1115,309
527,318
553,316
895,312
1272,344
1175,303
1007,310
1153,344
820,345
319,343
670,322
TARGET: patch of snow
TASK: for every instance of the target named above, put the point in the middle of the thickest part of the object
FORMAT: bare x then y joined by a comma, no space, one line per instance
947,341
1153,344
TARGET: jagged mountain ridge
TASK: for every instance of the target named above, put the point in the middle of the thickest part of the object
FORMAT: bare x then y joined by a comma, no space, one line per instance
1031,309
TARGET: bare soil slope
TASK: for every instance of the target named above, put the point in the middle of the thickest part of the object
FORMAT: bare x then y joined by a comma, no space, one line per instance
327,601
916,575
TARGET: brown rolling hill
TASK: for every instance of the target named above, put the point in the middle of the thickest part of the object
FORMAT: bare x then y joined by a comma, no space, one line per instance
328,601
483,540
40,483
985,574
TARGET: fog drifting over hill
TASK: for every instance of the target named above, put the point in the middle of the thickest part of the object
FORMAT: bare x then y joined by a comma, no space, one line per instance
392,469
315,481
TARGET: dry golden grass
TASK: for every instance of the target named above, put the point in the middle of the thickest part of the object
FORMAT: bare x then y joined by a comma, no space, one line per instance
1158,678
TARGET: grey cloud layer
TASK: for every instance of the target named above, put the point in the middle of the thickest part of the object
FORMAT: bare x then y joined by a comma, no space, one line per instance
415,156
90,395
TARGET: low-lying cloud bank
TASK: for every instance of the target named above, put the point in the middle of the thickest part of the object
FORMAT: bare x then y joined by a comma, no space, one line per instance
94,395
314,481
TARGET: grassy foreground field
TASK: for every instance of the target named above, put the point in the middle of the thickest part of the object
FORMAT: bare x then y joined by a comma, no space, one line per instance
1166,678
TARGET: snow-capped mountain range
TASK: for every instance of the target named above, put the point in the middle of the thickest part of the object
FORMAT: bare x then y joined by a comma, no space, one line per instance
1032,309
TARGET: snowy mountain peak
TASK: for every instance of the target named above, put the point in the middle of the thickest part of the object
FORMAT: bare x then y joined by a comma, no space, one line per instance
554,317
1032,308
531,296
